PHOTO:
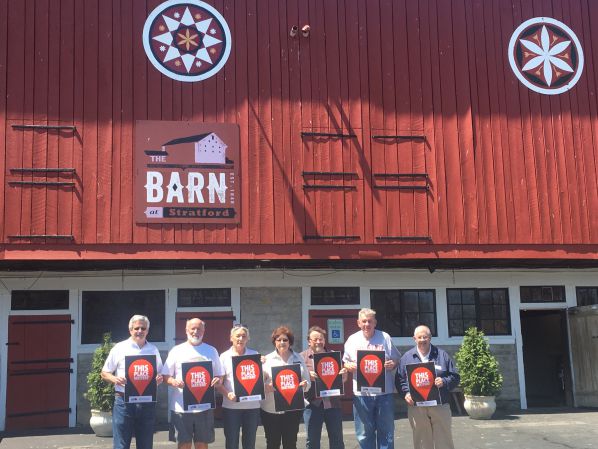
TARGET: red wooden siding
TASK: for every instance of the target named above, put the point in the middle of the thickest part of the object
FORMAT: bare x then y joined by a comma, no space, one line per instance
499,164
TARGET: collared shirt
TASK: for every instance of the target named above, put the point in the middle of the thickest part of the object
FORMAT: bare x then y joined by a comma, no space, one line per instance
310,396
445,369
115,363
272,360
226,359
183,353
380,341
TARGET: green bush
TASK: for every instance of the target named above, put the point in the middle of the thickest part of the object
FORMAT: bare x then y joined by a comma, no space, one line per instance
100,393
477,366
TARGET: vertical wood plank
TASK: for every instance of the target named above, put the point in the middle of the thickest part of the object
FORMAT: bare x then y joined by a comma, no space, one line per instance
3,112
53,112
64,53
126,225
140,83
90,122
105,121
117,112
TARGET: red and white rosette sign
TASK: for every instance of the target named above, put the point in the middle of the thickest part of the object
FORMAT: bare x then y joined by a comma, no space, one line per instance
187,40
546,55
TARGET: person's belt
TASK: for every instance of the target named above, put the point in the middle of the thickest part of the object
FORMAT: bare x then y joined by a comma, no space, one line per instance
119,393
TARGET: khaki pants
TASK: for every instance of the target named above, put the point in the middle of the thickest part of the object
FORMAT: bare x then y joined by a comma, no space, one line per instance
431,427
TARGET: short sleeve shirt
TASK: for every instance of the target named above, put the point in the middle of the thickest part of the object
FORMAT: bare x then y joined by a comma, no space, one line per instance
226,359
183,353
380,341
115,363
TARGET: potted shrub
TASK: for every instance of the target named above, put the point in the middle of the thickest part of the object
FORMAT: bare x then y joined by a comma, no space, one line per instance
100,394
480,377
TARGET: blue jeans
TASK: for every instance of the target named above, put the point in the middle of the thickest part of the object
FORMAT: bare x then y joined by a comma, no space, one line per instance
130,420
314,417
374,421
237,419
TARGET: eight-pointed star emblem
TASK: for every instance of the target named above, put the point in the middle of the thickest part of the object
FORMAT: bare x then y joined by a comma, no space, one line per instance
186,40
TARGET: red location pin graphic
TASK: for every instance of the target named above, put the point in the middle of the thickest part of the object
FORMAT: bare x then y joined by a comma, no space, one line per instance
371,368
421,380
141,373
327,370
198,381
247,372
287,383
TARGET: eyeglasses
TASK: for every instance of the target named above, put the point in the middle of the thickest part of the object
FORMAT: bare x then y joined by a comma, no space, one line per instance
140,328
282,340
236,325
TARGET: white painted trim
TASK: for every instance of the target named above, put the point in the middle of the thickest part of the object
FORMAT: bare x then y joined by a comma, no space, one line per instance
170,316
365,300
571,370
200,309
442,326
74,313
305,308
235,302
515,302
39,312
4,309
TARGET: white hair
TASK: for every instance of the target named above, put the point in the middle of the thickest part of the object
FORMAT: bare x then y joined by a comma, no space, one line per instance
365,312
136,318
239,327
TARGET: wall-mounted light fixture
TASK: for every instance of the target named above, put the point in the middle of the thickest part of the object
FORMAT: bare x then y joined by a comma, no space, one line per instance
305,30
294,31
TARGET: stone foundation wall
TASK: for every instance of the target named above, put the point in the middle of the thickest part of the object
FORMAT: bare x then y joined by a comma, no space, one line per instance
265,308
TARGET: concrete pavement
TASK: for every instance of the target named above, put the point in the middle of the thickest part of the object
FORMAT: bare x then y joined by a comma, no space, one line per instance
536,429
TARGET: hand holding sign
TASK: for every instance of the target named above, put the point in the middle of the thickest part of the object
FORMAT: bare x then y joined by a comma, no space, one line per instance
328,381
198,391
140,385
422,384
370,372
288,394
248,381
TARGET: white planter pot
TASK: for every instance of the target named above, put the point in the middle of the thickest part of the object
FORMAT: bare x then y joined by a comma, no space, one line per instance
480,407
101,423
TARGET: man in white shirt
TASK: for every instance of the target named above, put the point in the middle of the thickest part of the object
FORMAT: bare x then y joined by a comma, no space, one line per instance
373,412
192,426
131,419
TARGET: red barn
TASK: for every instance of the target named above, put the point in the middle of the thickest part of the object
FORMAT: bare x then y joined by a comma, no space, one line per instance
435,160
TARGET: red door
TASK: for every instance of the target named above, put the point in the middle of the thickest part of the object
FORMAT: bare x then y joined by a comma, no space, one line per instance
218,326
39,369
349,317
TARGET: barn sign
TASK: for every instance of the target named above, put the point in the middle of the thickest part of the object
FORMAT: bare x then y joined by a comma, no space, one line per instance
186,172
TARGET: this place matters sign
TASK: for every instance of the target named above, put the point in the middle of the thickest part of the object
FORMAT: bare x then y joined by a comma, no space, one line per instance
186,172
